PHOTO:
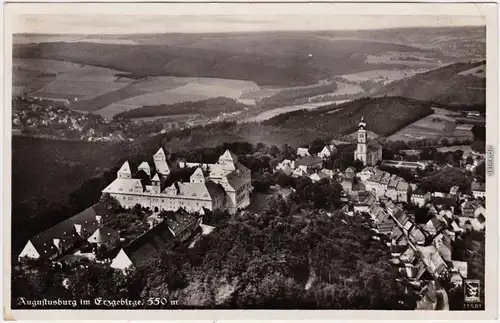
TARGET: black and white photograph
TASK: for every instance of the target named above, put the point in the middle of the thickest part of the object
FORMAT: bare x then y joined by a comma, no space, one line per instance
240,161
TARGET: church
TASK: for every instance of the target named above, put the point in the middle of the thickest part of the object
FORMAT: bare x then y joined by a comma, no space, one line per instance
369,152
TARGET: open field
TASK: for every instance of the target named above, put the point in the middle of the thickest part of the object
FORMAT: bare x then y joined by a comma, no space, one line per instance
381,76
440,124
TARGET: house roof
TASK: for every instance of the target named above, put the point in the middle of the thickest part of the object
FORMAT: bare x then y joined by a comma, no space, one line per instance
149,244
432,259
160,153
396,233
477,186
417,235
402,185
308,161
156,178
103,234
66,231
302,150
386,227
461,267
444,201
179,222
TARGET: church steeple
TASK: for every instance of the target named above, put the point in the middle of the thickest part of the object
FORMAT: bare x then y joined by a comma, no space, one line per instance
361,151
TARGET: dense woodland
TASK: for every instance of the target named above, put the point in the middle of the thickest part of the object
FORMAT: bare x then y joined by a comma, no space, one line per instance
444,85
387,115
209,108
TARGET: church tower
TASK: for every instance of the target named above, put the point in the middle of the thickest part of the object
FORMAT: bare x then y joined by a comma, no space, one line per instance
361,150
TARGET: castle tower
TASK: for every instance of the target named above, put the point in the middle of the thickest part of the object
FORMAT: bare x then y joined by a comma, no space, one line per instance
362,149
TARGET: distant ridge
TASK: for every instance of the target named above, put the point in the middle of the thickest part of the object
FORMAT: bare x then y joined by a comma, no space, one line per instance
449,85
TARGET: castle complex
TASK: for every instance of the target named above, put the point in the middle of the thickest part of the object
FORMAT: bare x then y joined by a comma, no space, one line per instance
223,185
369,152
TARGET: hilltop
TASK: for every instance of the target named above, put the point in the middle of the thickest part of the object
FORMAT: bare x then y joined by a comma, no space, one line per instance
456,84
385,115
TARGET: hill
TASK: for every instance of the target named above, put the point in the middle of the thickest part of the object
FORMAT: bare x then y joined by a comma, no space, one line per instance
267,59
385,115
456,84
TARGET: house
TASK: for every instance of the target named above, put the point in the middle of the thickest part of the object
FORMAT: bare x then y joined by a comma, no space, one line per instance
286,166
446,203
316,177
366,173
145,247
368,152
478,189
434,226
420,197
327,151
103,236
480,210
443,244
303,152
310,162
416,235
468,208
434,263
66,235
300,172
460,267
454,190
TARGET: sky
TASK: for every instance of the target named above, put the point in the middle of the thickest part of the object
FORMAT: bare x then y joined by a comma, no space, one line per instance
120,24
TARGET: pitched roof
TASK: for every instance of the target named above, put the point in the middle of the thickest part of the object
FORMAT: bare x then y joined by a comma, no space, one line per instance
84,222
125,168
308,161
214,190
160,153
149,244
144,165
103,234
477,186
179,222
124,185
386,227
432,259
228,155
461,267
156,178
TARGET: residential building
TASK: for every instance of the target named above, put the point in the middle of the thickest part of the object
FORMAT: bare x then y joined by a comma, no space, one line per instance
64,236
327,151
303,152
468,208
228,186
478,189
311,163
369,152
318,176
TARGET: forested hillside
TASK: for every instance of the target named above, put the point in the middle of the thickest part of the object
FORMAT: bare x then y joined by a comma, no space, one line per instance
384,115
448,85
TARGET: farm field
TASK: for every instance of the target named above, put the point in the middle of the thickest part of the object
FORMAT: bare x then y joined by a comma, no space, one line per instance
382,76
440,124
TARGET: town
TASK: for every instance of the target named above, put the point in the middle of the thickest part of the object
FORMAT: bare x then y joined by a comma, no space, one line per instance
145,210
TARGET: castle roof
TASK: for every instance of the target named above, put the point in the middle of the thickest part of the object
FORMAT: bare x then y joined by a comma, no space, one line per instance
125,168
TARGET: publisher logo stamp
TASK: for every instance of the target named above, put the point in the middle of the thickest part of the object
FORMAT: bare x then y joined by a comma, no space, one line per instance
471,291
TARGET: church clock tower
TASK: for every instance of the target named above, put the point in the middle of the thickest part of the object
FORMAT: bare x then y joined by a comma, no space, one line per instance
361,150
